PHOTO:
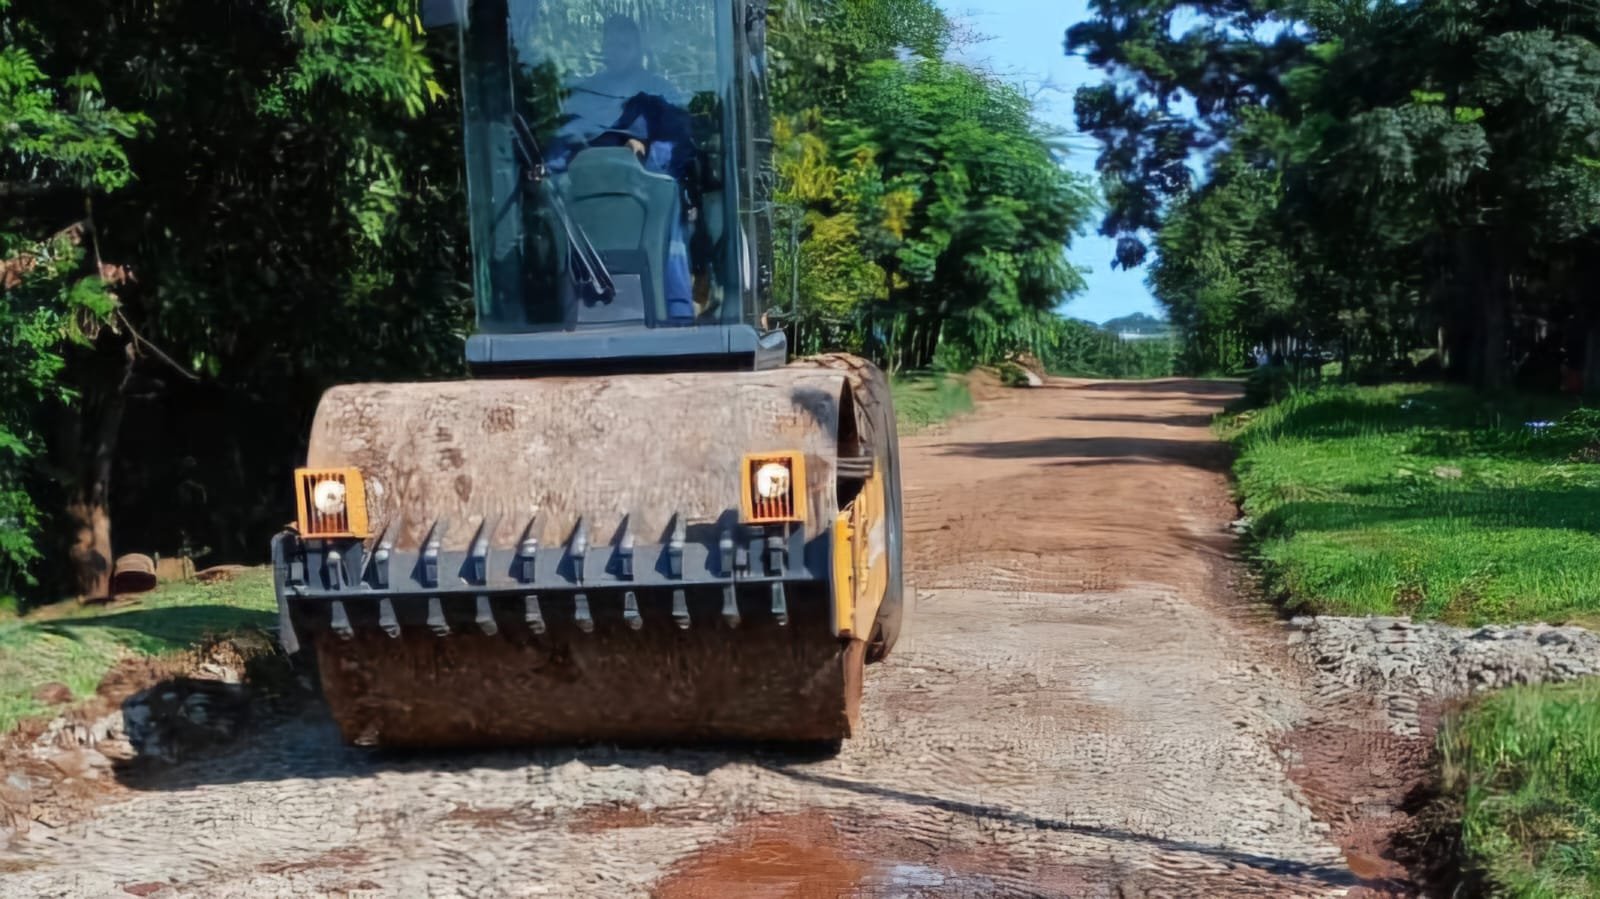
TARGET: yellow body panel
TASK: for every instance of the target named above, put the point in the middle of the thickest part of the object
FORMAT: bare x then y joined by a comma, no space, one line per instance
861,559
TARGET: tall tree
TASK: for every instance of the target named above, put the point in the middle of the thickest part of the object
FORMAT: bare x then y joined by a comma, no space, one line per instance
285,228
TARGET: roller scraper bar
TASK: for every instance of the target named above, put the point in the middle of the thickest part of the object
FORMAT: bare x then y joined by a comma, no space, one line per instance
342,585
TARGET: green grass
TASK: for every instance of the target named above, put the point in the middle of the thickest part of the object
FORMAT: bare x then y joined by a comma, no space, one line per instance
1422,500
77,646
1438,502
923,400
1524,765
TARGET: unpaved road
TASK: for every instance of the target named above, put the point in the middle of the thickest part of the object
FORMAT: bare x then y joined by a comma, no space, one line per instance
1085,706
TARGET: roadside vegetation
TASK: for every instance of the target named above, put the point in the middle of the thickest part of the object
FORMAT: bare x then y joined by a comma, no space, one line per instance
924,399
1441,502
1524,767
1430,501
76,645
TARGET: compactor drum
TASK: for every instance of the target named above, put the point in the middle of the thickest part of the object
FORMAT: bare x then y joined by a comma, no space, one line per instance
635,523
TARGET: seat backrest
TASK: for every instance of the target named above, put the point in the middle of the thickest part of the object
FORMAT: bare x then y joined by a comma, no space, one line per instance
627,213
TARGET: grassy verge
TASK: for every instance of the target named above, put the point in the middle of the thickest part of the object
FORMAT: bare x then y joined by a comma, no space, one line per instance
925,399
1441,503
1524,766
1421,500
76,646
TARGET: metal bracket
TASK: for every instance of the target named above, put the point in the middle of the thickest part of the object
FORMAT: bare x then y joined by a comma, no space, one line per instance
680,609
484,618
478,555
436,622
579,549
528,548
675,546
580,613
380,556
725,554
625,544
780,605
333,569
339,621
387,619
430,552
777,554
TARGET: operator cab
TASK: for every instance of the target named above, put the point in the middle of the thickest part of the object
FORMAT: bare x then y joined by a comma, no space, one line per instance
617,180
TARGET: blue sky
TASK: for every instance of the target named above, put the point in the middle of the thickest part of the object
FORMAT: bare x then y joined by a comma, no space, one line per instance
1022,41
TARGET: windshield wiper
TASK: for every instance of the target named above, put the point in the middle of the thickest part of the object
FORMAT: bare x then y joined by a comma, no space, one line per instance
595,272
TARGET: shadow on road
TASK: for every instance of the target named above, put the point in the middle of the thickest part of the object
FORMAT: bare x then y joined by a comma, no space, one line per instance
233,742
1204,453
1167,387
1326,874
1180,420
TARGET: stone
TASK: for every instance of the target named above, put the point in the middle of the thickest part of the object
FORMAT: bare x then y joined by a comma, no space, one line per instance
108,727
117,750
70,762
217,672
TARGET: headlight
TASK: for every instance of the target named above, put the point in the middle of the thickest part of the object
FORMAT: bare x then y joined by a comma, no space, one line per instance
774,488
328,497
772,480
331,502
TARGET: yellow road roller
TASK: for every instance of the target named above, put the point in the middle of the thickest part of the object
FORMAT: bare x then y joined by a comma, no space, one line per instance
637,520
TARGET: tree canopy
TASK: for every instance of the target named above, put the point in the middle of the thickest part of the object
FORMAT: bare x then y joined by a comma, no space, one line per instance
1372,179
925,204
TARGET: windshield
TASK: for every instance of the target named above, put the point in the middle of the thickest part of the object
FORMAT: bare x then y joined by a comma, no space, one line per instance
598,176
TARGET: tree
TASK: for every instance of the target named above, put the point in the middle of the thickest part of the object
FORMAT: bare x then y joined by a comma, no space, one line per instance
923,200
61,149
286,227
1428,164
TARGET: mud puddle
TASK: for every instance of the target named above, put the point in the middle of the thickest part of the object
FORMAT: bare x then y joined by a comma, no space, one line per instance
812,855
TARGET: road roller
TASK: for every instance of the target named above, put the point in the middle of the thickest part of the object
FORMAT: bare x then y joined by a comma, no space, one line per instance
635,519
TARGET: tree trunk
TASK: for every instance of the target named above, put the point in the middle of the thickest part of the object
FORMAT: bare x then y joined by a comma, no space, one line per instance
1493,371
84,455
1462,327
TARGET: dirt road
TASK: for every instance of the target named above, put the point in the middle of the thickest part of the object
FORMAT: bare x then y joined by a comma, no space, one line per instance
1084,706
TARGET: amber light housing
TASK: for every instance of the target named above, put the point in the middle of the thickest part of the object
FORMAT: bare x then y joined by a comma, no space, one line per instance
332,502
774,488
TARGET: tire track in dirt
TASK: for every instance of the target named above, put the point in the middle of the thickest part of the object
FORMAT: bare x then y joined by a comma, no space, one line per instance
1083,706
